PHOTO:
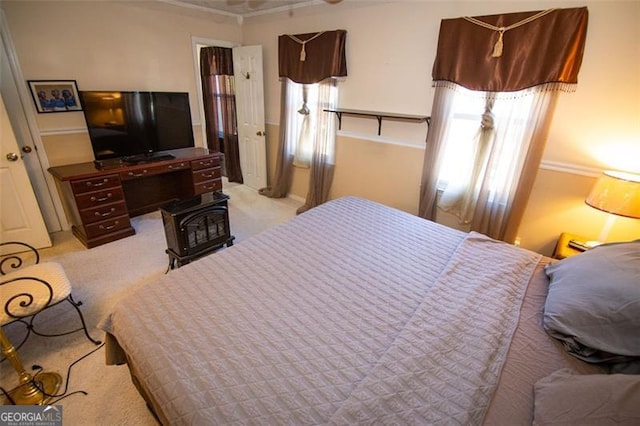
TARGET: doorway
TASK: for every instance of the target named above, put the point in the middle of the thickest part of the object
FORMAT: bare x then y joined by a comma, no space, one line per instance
249,109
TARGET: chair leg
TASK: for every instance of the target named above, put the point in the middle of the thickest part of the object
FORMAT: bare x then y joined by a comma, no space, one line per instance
31,328
32,390
77,305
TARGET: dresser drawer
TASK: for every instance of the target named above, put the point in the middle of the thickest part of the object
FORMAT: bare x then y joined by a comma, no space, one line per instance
107,226
99,198
94,184
205,163
150,170
108,211
207,186
203,175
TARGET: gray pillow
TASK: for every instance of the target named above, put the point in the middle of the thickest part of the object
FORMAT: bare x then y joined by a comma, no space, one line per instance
595,399
593,305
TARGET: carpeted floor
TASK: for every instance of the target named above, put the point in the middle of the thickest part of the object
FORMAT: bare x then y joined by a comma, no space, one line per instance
100,276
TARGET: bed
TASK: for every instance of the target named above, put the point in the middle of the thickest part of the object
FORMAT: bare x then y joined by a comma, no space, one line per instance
352,312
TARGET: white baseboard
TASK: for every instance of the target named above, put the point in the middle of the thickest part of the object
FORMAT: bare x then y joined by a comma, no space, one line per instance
296,198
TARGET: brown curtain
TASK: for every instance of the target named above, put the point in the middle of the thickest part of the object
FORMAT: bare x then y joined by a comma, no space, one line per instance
312,57
306,59
503,53
218,92
548,49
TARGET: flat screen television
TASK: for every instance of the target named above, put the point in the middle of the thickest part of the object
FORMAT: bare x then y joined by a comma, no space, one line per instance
136,127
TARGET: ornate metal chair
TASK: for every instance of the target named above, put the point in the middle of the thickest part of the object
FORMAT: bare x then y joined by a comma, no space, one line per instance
26,291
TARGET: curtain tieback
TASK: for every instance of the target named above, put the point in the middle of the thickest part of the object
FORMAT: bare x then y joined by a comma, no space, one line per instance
498,47
303,53
487,120
304,110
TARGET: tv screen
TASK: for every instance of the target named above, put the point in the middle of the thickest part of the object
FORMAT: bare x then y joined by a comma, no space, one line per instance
131,125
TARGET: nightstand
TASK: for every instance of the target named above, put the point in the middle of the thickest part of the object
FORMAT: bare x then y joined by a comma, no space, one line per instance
564,249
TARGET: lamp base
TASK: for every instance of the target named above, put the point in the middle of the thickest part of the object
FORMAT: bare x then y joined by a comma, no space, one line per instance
38,391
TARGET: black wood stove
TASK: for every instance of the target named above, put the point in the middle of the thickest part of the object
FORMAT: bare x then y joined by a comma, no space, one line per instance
196,226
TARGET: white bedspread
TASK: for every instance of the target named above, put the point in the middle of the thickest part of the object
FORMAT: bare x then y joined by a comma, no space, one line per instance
351,312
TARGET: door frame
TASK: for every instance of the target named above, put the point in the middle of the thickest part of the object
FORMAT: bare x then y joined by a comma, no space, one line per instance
43,183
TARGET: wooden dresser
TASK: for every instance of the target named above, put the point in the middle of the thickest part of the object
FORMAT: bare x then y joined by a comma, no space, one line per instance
100,201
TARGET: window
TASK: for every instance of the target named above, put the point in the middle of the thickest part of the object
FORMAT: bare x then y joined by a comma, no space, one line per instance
485,146
306,116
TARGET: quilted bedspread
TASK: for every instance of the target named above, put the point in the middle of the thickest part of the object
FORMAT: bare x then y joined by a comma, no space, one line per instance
352,312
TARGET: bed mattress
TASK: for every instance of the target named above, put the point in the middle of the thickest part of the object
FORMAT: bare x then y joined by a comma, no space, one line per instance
352,312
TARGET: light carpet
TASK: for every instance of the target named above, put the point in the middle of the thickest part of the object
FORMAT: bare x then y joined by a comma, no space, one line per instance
100,277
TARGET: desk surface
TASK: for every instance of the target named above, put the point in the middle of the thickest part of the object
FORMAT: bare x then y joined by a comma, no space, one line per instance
89,169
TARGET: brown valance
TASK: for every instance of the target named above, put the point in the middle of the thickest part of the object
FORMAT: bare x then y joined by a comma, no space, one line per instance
547,49
216,60
312,57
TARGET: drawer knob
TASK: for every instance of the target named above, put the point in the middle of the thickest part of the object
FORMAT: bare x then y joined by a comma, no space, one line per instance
94,199
109,227
105,214
97,184
144,172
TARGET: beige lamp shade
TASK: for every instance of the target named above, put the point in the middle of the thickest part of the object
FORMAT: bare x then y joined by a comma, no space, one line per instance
617,193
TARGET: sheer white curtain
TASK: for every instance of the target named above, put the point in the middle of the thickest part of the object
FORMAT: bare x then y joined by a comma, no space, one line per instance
310,129
483,150
302,117
441,119
323,141
526,118
325,137
466,160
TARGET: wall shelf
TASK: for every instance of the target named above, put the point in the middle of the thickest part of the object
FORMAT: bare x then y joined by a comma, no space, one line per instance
379,116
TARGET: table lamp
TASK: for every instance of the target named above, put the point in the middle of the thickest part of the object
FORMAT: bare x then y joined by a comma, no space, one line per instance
617,193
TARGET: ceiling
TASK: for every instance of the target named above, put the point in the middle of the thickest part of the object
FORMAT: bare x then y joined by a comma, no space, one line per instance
246,8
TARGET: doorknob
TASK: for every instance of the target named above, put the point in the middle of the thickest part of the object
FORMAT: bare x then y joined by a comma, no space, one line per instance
12,156
26,149
259,133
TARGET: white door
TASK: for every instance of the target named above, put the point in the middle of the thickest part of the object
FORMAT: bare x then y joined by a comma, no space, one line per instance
20,217
19,107
247,69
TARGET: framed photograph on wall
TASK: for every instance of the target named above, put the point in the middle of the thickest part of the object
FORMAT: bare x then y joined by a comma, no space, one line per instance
55,95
